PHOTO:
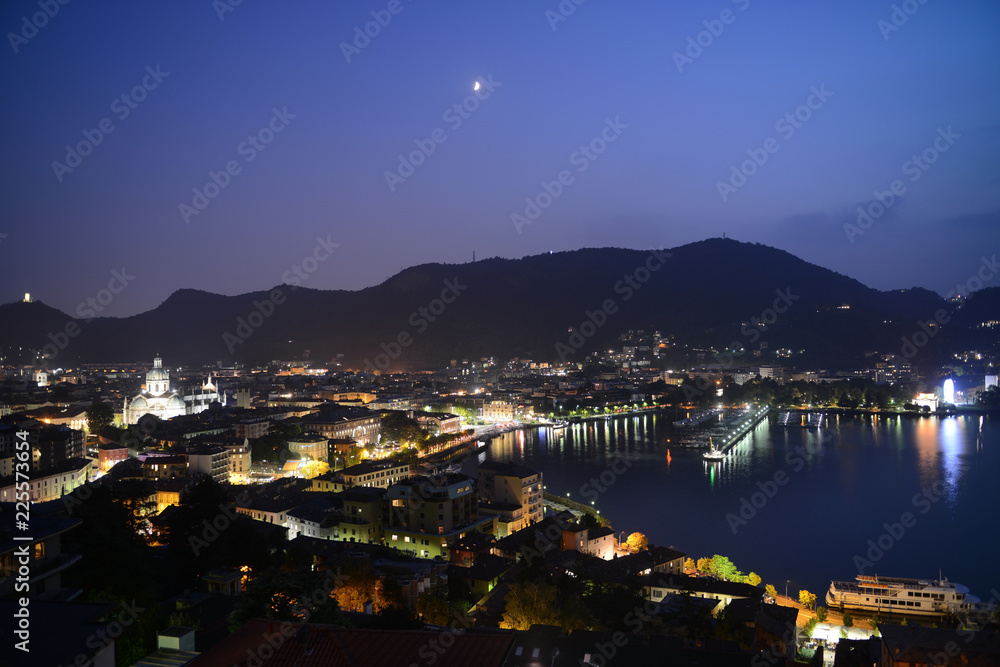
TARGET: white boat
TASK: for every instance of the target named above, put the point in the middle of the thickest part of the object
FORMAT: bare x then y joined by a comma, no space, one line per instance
558,425
916,597
713,454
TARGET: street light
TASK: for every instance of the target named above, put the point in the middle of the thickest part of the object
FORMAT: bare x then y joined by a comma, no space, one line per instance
786,588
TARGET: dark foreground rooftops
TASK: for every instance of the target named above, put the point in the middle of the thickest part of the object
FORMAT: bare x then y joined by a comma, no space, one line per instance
338,647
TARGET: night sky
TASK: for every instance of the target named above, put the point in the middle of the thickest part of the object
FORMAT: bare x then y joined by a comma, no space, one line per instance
675,118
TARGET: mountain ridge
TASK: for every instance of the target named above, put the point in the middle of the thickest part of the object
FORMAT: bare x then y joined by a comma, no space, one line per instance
704,293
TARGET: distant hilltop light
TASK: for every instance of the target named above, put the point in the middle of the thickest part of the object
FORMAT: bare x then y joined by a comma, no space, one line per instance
27,297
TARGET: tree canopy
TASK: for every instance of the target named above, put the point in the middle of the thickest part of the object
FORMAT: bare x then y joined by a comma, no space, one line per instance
99,417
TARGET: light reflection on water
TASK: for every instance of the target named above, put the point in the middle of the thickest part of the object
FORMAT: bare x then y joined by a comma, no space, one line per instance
844,482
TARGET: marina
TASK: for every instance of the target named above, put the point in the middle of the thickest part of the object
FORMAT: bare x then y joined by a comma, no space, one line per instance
723,437
793,418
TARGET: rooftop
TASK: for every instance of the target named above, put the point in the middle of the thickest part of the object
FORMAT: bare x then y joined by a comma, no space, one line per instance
508,469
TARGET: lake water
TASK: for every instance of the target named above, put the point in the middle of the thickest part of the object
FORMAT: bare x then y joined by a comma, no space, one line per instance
810,499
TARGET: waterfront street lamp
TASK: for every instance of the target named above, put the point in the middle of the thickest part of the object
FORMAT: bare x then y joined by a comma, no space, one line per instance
786,588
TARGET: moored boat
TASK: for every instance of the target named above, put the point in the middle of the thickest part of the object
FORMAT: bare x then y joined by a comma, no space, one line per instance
917,597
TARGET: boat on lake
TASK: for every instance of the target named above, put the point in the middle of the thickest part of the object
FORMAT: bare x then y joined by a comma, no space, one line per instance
916,597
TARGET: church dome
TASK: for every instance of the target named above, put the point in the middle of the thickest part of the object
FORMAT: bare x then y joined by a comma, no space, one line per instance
175,401
157,373
139,402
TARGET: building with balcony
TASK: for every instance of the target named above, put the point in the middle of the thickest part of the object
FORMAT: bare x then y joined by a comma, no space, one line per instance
42,553
512,484
429,514
363,515
210,460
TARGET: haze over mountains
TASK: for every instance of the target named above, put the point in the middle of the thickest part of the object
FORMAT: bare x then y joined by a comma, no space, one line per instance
703,294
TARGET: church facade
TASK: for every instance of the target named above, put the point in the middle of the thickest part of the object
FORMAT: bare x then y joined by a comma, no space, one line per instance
159,401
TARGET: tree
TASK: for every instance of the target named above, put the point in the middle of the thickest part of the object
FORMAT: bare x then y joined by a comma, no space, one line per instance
636,542
723,568
848,619
821,614
807,599
811,627
285,595
433,608
396,426
875,620
689,565
528,603
705,565
771,592
753,579
99,417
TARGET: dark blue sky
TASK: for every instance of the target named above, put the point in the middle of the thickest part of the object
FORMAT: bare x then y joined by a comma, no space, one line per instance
323,175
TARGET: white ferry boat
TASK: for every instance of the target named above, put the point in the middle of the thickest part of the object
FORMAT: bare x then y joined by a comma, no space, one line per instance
917,597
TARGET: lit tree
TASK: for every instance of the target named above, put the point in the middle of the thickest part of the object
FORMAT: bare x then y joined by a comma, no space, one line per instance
528,603
636,542
848,619
753,579
821,614
807,599
771,591
723,568
689,565
705,565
